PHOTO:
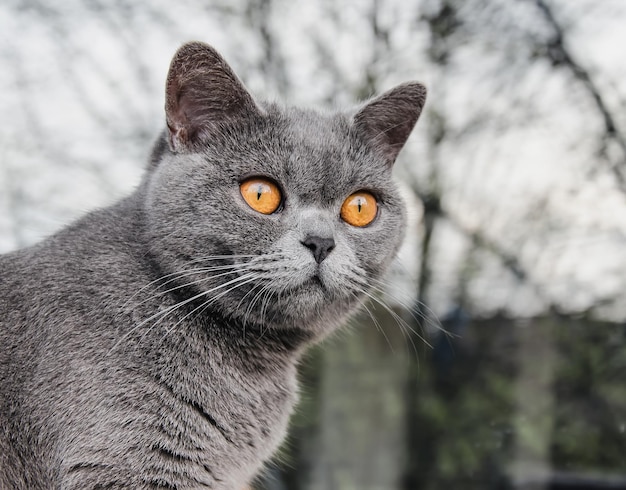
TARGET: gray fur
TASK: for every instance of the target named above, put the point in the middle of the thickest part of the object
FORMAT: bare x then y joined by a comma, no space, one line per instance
154,343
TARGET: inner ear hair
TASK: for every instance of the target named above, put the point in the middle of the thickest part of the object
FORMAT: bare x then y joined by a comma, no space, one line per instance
202,93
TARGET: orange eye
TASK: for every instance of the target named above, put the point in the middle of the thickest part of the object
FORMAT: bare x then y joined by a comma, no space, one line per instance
261,194
359,209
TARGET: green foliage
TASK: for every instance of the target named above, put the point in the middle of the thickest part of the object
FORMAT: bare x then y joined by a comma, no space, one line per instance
504,400
487,413
591,397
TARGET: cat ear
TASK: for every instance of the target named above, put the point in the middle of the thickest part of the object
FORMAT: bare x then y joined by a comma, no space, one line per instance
202,93
387,121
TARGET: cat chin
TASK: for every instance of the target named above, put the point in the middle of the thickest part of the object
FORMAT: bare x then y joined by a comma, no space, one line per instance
310,306
320,300
313,307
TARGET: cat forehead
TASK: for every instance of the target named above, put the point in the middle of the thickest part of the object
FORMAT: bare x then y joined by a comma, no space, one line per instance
315,128
321,157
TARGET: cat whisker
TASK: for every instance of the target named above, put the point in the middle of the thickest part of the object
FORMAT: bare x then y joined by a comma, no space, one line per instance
253,266
401,324
255,299
193,298
277,293
378,326
358,283
398,318
252,257
175,276
164,313
420,318
201,308
245,316
221,257
265,304
233,270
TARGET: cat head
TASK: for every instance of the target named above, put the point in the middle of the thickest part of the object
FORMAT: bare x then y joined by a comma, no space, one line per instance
277,217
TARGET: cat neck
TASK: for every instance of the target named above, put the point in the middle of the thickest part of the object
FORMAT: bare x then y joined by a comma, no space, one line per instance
252,348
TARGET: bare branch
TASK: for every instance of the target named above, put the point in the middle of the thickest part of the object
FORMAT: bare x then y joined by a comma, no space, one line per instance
559,54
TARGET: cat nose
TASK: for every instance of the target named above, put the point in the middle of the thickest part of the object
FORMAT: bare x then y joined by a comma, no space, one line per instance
319,247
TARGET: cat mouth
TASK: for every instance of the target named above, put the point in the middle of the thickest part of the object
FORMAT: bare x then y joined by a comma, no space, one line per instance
317,281
312,283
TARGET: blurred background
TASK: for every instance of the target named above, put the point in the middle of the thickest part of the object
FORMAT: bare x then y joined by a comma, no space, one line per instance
516,180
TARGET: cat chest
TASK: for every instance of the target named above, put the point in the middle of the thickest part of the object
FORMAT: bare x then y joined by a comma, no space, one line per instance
200,429
225,430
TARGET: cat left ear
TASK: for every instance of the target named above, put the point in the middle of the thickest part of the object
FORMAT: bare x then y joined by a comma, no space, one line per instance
202,93
387,121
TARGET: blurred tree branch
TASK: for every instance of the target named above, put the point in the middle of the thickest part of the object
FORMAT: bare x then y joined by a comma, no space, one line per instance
556,50
259,13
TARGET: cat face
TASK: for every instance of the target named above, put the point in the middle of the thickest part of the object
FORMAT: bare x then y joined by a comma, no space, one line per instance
276,217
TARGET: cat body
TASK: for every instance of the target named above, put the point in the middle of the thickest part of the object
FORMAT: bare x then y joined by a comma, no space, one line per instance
83,410
154,343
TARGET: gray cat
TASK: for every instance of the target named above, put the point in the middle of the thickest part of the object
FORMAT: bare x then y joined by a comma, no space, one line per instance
154,343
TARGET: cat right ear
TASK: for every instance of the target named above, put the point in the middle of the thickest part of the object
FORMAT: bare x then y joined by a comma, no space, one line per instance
202,94
387,121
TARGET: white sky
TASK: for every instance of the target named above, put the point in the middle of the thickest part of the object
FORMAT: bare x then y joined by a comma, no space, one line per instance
81,100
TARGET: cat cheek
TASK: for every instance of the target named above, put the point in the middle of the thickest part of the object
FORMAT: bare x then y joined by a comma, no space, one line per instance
375,247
